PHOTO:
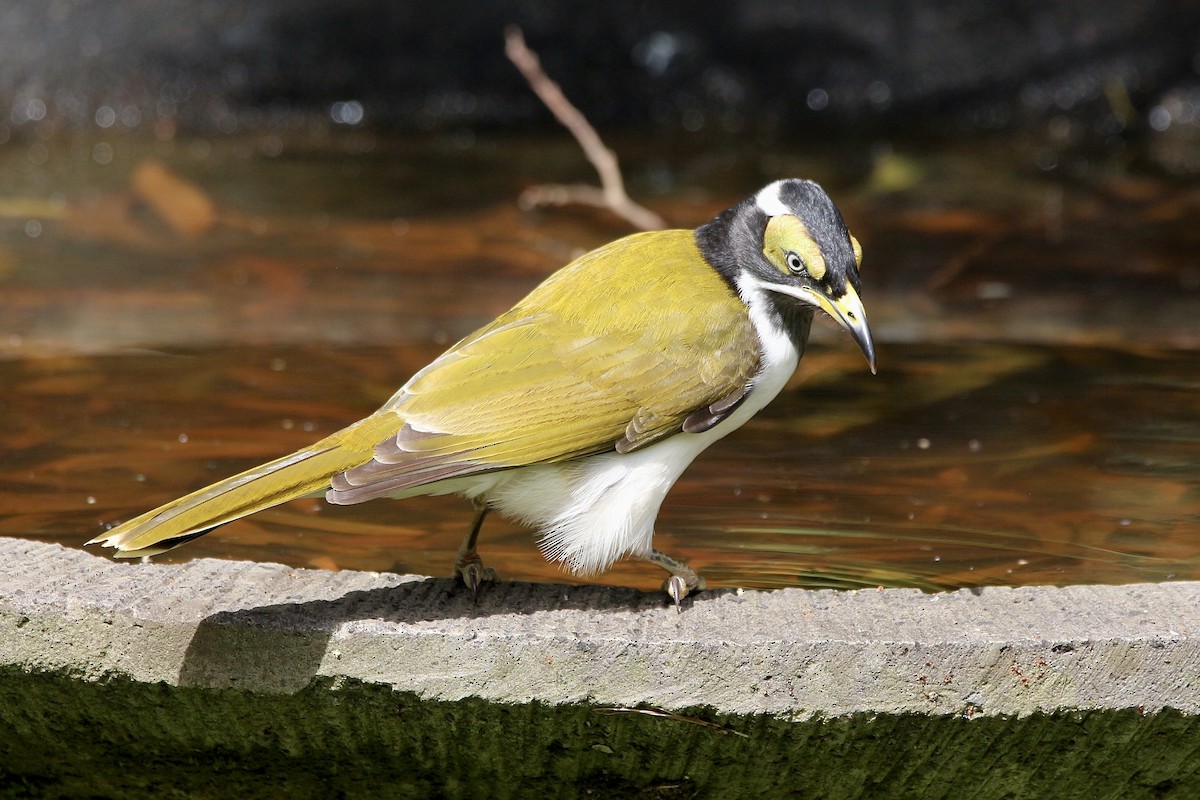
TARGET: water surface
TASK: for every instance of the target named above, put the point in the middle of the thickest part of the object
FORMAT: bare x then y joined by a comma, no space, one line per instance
958,465
1036,418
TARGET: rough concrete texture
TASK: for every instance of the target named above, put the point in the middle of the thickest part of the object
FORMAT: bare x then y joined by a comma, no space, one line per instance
228,679
269,628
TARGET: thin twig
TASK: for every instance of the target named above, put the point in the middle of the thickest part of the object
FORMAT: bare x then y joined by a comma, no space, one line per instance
654,712
612,194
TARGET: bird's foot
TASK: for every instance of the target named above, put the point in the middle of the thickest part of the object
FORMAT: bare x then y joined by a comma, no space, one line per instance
469,569
678,587
683,581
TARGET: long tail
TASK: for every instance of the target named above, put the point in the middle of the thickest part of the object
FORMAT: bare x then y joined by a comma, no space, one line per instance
301,473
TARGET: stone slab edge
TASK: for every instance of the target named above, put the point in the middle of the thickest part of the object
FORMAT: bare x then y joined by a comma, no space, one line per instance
790,653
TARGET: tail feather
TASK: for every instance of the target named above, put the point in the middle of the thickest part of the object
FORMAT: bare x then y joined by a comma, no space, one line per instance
301,473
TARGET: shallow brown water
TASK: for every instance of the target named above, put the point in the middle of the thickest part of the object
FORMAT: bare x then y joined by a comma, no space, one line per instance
957,466
1036,418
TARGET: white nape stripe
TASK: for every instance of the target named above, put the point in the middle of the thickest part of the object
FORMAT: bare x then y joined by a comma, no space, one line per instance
768,200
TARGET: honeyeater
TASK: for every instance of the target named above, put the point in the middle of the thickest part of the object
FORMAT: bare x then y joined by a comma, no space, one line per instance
576,411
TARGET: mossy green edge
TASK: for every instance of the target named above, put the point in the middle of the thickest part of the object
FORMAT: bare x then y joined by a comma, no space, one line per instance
120,738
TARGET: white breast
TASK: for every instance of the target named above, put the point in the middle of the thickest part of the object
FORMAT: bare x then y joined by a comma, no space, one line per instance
592,511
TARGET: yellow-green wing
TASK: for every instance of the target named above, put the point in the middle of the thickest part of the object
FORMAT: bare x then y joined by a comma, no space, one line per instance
660,336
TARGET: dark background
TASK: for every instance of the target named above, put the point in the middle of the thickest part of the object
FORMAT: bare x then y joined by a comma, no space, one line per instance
756,67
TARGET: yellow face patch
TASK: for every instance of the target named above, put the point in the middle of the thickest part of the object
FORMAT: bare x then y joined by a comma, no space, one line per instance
857,251
789,246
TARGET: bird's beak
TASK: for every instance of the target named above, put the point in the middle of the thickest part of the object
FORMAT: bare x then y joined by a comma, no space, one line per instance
848,312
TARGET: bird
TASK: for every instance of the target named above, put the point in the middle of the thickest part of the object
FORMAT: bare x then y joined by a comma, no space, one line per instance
576,411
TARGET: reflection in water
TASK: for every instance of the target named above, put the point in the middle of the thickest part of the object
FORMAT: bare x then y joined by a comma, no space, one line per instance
956,466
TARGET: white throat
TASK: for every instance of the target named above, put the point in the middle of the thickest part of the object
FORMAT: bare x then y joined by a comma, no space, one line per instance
779,354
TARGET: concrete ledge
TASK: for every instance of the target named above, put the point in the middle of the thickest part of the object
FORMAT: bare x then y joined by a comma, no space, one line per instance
190,639
269,628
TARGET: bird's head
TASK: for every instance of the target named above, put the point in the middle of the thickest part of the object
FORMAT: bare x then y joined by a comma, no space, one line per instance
787,247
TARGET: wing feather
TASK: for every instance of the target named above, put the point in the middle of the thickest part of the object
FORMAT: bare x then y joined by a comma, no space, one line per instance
552,379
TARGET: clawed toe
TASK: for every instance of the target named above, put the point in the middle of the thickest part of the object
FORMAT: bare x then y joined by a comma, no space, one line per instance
683,581
468,566
678,587
469,569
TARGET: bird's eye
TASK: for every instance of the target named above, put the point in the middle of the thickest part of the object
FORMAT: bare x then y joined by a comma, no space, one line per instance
795,263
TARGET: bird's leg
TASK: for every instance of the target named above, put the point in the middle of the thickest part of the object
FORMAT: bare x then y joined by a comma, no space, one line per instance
683,578
468,566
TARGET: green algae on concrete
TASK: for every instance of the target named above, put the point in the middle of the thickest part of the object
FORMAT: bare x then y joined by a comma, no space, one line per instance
121,738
